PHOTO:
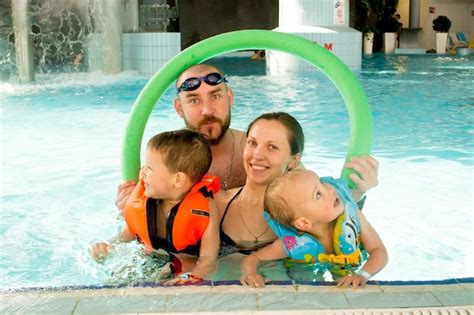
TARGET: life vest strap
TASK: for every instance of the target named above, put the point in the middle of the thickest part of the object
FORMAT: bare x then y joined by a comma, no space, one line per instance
342,259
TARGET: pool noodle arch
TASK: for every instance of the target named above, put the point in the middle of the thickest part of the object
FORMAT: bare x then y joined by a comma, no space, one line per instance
360,117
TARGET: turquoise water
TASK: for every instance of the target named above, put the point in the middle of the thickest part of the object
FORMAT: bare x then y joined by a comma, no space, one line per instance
60,158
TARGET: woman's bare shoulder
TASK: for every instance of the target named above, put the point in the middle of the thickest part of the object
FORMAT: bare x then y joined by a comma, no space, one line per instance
224,196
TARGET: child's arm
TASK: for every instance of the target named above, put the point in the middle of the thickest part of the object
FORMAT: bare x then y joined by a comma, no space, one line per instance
208,252
101,250
210,242
250,276
378,256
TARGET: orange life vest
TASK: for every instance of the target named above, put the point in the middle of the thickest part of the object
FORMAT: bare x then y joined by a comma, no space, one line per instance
186,222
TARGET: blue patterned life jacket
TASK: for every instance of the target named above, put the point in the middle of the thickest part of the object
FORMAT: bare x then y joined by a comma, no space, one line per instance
304,248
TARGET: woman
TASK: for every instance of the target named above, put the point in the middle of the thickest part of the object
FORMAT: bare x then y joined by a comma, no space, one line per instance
275,143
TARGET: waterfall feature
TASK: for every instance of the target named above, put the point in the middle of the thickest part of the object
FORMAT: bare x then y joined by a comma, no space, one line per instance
44,36
23,42
55,35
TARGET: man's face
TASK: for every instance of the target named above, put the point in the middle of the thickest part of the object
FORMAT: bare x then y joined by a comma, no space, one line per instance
207,108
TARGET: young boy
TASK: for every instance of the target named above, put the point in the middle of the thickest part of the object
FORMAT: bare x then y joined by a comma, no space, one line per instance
172,206
317,221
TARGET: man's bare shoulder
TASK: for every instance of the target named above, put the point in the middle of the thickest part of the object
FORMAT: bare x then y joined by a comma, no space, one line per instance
239,136
238,133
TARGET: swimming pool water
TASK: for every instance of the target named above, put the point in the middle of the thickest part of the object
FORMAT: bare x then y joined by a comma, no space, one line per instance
60,162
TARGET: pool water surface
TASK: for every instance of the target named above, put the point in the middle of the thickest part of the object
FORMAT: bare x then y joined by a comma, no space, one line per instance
60,163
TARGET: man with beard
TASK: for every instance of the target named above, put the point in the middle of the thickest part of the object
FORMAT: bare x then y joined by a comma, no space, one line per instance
204,102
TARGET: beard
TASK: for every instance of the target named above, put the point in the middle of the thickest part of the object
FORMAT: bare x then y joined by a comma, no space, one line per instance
213,141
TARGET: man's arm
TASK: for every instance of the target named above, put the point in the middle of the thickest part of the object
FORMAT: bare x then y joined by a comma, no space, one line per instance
124,190
367,167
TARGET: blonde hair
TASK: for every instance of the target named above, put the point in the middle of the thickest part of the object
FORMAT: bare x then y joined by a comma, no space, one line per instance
276,198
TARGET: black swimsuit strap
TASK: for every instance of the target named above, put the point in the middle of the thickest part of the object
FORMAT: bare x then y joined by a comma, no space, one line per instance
225,239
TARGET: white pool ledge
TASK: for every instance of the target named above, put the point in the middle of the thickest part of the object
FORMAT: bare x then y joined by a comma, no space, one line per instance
452,298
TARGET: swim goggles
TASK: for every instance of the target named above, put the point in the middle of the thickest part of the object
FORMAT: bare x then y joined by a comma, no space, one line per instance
191,84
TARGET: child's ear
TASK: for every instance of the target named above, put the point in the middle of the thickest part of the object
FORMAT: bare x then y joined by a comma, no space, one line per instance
180,179
294,161
302,224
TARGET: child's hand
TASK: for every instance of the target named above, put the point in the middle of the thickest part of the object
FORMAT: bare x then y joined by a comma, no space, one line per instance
253,280
183,278
250,276
100,250
355,280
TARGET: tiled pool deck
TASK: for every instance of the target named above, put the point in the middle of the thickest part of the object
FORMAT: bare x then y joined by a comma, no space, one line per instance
454,296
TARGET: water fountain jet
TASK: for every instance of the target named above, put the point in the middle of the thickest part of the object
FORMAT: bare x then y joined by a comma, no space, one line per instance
23,42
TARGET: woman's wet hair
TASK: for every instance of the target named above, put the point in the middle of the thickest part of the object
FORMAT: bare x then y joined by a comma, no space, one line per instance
183,151
295,131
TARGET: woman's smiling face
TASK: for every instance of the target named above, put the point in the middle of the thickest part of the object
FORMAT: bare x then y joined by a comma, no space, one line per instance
267,151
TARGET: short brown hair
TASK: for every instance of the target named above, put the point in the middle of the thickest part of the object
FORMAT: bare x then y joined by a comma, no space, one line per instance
183,151
201,65
275,202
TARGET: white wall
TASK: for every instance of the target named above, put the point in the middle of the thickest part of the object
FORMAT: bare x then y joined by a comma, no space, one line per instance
313,13
458,11
142,52
148,52
325,22
404,11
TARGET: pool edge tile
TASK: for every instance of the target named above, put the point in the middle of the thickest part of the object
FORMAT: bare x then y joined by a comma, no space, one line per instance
392,299
301,301
336,289
421,287
244,289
